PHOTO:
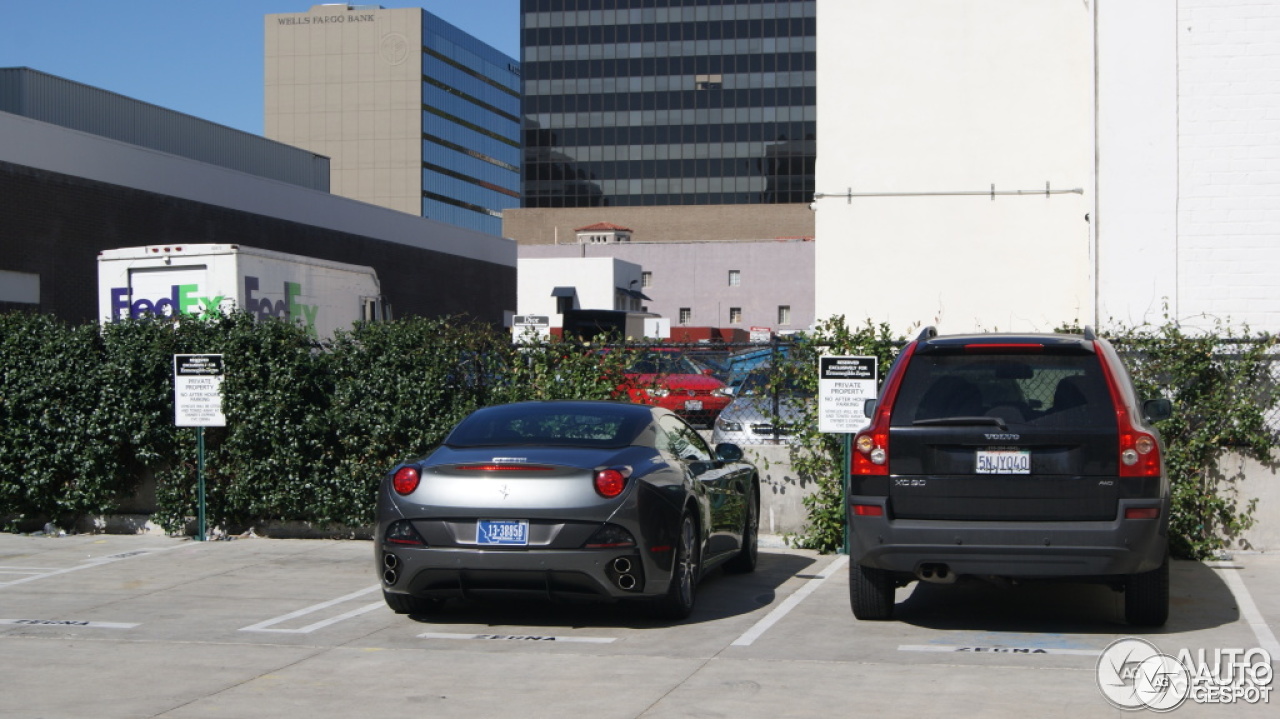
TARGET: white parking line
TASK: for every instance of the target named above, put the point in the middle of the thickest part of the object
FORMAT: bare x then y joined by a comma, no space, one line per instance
1248,610
264,626
762,626
34,574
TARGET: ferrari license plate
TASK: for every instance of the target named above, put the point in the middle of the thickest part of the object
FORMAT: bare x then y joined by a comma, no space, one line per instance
693,405
502,532
1004,461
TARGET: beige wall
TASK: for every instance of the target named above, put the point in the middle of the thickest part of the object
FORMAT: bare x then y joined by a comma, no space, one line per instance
921,102
346,82
685,223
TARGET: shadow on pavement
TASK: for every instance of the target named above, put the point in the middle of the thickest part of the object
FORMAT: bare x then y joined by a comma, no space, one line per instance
1198,600
720,595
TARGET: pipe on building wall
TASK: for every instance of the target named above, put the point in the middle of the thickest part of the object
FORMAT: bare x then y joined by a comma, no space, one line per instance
849,194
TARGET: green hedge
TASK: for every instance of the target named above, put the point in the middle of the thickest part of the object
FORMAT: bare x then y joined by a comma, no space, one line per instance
85,412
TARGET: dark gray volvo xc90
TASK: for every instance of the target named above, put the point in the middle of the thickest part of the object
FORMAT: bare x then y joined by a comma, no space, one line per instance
1023,457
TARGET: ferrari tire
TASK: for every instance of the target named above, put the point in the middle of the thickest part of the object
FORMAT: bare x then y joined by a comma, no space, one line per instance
678,602
746,558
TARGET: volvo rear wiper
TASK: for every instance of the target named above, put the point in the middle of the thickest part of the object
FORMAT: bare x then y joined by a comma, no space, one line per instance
961,421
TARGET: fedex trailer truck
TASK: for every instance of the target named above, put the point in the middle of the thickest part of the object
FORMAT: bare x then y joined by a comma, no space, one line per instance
204,279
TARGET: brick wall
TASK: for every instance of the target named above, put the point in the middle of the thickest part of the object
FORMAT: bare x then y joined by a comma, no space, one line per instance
1229,160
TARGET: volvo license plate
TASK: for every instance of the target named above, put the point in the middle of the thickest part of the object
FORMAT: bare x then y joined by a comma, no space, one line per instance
502,532
1004,461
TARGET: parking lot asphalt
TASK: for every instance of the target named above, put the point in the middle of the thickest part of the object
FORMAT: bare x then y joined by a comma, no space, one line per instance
146,626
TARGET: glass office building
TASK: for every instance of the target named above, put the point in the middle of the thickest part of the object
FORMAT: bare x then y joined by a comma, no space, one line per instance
668,102
414,113
470,128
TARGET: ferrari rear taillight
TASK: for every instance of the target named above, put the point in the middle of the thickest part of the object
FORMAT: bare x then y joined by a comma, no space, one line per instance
610,536
406,480
402,532
609,483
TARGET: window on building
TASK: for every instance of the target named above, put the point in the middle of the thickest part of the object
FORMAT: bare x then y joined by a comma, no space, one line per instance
564,304
735,315
686,315
784,314
646,279
709,82
735,278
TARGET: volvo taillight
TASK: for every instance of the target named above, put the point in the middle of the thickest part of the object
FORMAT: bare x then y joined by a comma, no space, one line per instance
871,445
1139,452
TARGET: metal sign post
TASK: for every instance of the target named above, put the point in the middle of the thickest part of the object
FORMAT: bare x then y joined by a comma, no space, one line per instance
197,402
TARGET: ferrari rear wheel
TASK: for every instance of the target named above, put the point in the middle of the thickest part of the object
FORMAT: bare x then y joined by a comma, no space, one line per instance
677,603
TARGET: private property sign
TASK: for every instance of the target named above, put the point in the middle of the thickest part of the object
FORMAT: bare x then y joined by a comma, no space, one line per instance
844,386
197,391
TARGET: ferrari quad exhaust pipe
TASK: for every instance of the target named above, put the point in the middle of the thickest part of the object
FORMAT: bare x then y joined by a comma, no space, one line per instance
390,564
625,580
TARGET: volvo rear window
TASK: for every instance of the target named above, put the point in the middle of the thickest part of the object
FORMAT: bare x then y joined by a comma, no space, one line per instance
1041,390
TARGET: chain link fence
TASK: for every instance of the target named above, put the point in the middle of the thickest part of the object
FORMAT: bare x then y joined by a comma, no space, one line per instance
768,392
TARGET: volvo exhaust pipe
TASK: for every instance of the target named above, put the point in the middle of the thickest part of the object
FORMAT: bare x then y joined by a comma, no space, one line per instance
935,573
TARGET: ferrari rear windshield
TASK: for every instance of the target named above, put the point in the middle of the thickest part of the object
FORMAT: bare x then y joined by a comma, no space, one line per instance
550,425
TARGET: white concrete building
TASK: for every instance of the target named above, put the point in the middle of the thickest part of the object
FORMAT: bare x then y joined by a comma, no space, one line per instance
997,164
549,286
740,285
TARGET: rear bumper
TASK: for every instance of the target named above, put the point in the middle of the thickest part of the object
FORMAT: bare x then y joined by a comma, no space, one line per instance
553,574
1028,550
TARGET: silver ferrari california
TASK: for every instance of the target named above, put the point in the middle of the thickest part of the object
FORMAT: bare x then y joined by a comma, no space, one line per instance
566,500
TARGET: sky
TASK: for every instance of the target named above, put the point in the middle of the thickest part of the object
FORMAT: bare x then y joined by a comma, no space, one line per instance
200,57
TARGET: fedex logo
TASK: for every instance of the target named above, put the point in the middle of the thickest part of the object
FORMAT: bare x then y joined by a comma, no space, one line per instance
287,307
185,299
181,300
